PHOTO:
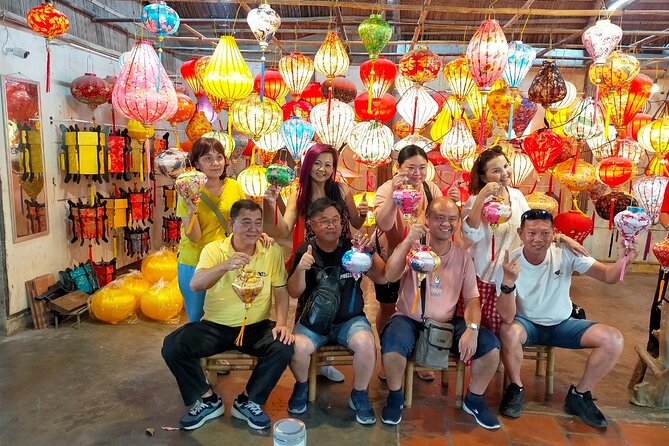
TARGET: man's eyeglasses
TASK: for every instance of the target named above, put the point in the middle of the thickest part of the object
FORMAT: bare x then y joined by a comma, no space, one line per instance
325,223
536,214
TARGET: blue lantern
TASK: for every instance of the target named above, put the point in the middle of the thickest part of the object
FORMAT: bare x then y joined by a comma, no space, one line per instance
519,62
161,20
297,134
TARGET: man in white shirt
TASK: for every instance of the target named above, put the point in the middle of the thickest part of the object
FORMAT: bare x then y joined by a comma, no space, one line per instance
535,309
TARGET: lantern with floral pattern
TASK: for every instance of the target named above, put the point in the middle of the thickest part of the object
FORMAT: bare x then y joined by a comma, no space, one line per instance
48,21
487,54
297,70
420,65
548,86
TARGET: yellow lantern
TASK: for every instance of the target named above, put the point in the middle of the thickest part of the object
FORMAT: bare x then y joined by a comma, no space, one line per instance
331,59
539,200
139,132
654,136
557,118
227,76
135,284
161,264
576,177
369,197
501,103
459,78
255,117
253,181
163,301
113,303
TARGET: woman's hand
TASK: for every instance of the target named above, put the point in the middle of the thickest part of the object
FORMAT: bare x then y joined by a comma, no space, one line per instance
272,194
363,207
572,244
266,240
490,189
399,180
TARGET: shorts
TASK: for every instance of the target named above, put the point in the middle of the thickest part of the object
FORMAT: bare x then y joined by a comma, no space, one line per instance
401,334
566,334
340,334
387,293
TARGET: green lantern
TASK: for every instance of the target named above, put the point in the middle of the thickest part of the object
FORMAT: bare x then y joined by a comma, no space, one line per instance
375,34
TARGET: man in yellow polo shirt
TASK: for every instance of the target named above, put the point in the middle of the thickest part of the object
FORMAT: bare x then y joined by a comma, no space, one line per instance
220,263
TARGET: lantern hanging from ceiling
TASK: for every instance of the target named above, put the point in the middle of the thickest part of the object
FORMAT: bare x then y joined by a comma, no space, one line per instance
650,192
375,34
270,142
313,93
48,21
654,136
585,122
335,130
256,117
187,70
458,143
226,75
601,146
420,65
628,148
635,124
523,115
521,168
658,165
625,102
161,20
198,126
540,200
253,180
342,89
297,70
91,90
264,22
297,134
185,111
402,84
543,147
331,60
207,108
417,107
442,124
299,108
519,62
548,86
487,54
568,99
501,103
614,171
610,204
599,40
383,109
274,85
577,179
385,72
617,72
402,129
574,224
372,142
415,140
459,78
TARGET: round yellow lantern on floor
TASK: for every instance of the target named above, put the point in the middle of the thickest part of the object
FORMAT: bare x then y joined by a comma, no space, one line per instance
163,301
160,265
113,303
136,284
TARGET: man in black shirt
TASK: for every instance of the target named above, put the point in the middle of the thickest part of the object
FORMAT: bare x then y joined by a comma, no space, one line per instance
351,327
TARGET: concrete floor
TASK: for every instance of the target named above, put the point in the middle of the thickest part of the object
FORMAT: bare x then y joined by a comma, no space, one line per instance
105,385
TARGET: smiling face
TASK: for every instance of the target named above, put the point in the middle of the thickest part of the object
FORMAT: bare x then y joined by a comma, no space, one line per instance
247,226
443,219
498,170
327,225
212,164
322,168
415,169
537,236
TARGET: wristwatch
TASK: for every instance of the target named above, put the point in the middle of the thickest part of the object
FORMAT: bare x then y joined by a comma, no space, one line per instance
508,289
473,326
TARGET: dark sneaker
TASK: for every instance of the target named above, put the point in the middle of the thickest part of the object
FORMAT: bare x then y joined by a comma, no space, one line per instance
298,400
392,411
475,405
359,402
251,413
512,402
584,406
201,412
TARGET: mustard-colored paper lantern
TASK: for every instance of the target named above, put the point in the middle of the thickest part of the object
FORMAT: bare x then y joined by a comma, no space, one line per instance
161,264
253,180
255,117
539,200
654,136
227,76
163,301
113,303
459,78
577,179
297,70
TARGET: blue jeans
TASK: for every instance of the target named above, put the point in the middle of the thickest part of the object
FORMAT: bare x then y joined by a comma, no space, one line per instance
566,334
340,333
193,300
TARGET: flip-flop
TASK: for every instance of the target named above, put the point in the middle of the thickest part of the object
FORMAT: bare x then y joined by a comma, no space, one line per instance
426,376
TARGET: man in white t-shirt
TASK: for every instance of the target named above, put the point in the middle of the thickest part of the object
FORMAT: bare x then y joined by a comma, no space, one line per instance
535,309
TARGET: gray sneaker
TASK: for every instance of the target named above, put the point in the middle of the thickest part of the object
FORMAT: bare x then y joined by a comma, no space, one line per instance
201,412
251,413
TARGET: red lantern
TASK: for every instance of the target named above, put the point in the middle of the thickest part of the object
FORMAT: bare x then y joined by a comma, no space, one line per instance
188,73
342,89
614,171
626,101
383,109
275,86
638,121
299,108
384,75
91,90
543,147
51,23
574,224
313,94
661,251
22,103
420,65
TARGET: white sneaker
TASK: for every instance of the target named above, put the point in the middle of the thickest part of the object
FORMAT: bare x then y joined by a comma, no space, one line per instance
331,373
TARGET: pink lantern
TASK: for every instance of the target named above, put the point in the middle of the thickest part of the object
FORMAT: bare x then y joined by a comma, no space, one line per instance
650,191
406,199
495,212
630,223
135,94
487,54
599,40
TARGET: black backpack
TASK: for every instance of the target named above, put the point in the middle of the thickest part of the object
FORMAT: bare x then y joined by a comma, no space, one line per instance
322,305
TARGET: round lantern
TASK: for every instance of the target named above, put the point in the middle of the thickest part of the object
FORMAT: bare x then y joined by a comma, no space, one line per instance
187,70
160,19
625,102
502,103
163,301
631,223
654,136
185,110
585,121
279,174
256,117
297,135
614,171
661,252
299,108
599,40
523,115
296,70
459,78
356,262
275,87
596,191
331,59
48,21
543,147
253,180
539,200
372,141
229,143
521,168
415,140
576,177
417,107
135,283
458,143
91,90
420,65
313,94
113,303
384,75
270,142
335,129
170,162
650,192
22,105
487,54
548,86
161,264
383,109
198,126
638,120
227,76
444,120
342,89
574,224
375,34
609,205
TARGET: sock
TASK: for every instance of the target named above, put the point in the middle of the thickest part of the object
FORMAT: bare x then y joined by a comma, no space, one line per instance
395,392
356,391
210,399
241,398
474,396
299,384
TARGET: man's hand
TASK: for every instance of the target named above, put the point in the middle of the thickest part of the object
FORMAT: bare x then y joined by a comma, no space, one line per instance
630,251
307,260
281,333
467,345
363,243
237,261
511,269
416,233
454,194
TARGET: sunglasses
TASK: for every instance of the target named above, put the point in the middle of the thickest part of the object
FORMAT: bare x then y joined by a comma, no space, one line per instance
536,214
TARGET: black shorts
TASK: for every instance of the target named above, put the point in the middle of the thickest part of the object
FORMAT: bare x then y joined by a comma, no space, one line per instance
388,293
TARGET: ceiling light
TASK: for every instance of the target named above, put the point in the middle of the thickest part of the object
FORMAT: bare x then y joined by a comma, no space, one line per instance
618,4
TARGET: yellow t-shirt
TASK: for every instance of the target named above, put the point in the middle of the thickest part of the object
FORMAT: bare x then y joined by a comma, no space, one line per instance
189,252
221,304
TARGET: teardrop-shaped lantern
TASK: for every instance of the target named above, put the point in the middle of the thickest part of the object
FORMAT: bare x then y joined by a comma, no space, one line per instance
601,146
297,70
617,72
624,103
442,124
264,22
188,73
501,104
331,59
333,131
548,86
420,65
375,34
568,99
585,121
459,78
270,142
521,168
384,75
402,84
372,141
519,62
297,134
227,76
417,107
600,39
487,54
255,117
458,143
650,191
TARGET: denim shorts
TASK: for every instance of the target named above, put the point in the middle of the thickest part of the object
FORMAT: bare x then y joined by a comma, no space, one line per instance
566,334
340,334
401,334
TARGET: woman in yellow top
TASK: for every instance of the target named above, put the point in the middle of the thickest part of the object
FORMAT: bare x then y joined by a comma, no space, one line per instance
218,196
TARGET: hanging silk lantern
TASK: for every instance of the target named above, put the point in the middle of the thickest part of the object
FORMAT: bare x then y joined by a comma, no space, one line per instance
650,192
543,147
442,124
415,140
521,168
187,70
161,20
568,99
335,130
576,179
331,59
226,75
539,200
602,147
599,40
502,103
383,109
342,89
264,22
637,121
198,126
91,90
459,78
372,141
417,107
654,136
658,165
297,135
135,95
585,122
420,65
574,224
618,71
375,34
487,54
48,21
629,149
477,101
313,94
185,110
256,117
385,72
229,143
519,62
475,127
270,142
458,143
624,103
296,70
206,107
631,223
299,108
614,171
275,86
523,115
611,204
548,86
253,180
402,84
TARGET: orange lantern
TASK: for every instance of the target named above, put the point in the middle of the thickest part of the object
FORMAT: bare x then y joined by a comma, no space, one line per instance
48,21
501,102
575,176
574,224
188,73
185,111
614,171
459,78
626,101
638,121
420,65
275,86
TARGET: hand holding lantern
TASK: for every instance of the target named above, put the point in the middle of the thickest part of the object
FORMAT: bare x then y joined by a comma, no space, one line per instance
357,262
422,260
247,286
630,223
406,198
189,187
495,211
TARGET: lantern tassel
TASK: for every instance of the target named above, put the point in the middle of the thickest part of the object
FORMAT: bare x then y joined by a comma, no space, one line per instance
623,268
371,86
607,121
240,337
276,213
596,100
550,185
113,121
576,157
262,77
147,150
48,66
417,295
176,138
115,245
510,121
560,202
647,248
492,248
611,209
415,111
191,223
90,251
611,244
535,186
329,100
592,229
481,130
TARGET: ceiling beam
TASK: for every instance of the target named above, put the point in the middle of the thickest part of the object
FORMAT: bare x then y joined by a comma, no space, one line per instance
515,18
342,28
419,25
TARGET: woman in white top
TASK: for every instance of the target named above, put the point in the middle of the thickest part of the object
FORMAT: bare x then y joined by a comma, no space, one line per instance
491,176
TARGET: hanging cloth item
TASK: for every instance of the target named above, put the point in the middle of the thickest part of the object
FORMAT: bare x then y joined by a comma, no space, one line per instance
141,204
137,241
30,152
88,221
36,215
171,229
169,199
84,153
105,271
119,155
